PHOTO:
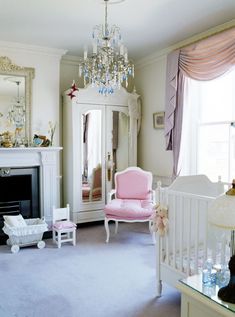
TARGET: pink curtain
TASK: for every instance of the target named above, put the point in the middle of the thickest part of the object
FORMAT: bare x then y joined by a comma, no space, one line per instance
204,60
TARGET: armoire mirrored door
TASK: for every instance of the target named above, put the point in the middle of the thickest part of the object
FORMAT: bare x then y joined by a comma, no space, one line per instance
104,150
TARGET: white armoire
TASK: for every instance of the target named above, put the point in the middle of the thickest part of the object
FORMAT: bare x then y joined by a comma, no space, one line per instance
99,138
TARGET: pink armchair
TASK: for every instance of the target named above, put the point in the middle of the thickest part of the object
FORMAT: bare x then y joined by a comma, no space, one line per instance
134,199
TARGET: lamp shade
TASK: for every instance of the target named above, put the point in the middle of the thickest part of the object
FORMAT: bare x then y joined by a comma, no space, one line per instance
222,212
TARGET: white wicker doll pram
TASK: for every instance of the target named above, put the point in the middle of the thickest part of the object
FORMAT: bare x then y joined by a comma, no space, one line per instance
27,235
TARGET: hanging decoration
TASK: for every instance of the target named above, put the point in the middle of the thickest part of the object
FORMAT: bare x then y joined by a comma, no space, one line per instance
73,88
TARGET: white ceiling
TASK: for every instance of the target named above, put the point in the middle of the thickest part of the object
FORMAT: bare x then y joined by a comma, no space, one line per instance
146,25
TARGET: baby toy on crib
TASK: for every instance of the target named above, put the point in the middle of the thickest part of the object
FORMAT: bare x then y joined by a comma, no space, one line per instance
160,220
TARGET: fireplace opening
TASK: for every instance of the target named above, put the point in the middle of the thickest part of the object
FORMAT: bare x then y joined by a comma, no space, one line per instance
19,194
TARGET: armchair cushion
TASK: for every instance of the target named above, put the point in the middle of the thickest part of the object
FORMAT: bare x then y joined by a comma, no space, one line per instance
129,209
133,184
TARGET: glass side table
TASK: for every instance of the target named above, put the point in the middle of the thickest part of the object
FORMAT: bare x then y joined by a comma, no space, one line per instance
198,300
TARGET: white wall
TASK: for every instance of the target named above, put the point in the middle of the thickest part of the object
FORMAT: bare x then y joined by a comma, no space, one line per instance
69,72
45,90
150,84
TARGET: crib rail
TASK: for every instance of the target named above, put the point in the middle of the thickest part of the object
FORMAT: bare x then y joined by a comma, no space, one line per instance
185,248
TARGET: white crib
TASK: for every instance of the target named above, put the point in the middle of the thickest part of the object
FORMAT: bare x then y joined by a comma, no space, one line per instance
184,249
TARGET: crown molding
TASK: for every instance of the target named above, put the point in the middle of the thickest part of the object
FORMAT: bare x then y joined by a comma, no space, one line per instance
154,57
33,49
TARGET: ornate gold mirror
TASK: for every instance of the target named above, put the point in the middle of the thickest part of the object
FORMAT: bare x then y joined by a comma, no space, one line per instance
15,103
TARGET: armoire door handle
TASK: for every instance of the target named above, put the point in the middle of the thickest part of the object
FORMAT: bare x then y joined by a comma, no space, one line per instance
109,167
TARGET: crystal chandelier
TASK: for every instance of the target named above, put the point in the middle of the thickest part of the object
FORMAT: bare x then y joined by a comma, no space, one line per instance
108,66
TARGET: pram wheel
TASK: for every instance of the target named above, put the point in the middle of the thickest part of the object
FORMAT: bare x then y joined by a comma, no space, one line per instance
15,248
41,244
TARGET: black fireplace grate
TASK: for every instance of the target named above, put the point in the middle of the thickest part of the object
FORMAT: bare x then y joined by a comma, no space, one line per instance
9,207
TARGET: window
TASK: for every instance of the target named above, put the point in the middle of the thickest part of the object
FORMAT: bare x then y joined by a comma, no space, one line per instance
208,135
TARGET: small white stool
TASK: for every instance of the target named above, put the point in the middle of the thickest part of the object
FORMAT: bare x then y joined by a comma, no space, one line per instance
63,230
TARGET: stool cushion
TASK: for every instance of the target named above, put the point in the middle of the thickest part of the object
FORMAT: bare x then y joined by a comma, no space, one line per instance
129,209
64,224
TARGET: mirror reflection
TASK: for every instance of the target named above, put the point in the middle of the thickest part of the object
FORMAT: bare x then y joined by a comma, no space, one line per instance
92,170
12,110
117,158
120,142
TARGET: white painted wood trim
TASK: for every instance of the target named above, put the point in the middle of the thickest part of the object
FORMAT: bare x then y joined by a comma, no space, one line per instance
43,50
47,160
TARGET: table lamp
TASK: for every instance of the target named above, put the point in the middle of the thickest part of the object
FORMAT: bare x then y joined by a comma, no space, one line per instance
222,214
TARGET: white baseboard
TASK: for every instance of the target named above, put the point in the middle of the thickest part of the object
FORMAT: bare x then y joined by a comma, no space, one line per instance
88,216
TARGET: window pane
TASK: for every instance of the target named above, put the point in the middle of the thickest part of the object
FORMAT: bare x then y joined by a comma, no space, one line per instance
213,151
216,98
209,145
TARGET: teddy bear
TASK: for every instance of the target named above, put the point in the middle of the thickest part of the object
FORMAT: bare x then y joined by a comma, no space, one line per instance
160,220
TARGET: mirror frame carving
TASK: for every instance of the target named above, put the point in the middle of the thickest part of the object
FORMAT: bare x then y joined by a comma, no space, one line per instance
8,68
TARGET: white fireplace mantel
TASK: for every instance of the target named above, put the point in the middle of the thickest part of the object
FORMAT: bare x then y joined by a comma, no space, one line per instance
47,159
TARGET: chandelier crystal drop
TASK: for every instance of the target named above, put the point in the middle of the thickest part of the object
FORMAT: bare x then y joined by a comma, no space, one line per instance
108,66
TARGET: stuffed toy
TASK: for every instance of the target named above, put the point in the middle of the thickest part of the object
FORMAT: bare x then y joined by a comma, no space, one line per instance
160,220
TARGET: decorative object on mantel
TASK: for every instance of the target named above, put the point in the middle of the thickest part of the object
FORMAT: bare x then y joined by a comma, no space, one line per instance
51,131
41,140
108,67
222,215
73,88
6,139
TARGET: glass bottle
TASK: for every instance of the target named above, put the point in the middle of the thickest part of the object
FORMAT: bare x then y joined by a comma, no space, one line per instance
208,273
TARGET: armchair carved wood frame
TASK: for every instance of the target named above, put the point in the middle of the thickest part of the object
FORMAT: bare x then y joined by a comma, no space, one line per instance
133,199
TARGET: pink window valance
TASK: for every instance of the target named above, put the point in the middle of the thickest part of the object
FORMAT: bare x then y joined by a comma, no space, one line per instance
206,59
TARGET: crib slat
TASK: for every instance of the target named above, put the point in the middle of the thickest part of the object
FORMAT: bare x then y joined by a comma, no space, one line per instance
196,241
174,230
205,240
188,236
181,228
167,237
